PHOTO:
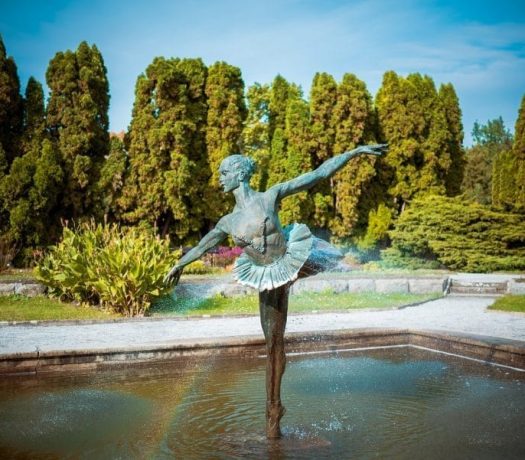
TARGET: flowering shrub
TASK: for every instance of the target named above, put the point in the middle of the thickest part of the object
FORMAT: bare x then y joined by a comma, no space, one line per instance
223,256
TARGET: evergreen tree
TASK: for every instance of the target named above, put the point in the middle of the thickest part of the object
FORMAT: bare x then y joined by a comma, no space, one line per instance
298,207
413,123
489,141
77,118
353,123
281,94
11,106
256,132
323,98
226,113
450,103
111,179
168,169
35,178
518,150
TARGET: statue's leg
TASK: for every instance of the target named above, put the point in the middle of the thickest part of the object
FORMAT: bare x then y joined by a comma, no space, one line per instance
273,306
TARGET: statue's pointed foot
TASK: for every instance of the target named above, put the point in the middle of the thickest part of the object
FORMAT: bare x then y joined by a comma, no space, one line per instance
274,413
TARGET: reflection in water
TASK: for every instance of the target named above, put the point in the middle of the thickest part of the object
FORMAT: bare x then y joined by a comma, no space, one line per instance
400,403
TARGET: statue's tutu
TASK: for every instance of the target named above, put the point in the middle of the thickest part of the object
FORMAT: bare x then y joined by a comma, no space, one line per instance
305,255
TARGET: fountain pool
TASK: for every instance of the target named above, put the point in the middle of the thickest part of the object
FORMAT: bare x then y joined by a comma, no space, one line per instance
392,402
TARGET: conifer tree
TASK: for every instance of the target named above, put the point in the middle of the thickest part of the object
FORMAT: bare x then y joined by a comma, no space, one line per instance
413,123
353,123
77,118
256,132
111,180
290,138
323,98
281,94
226,113
518,150
10,109
490,140
35,178
298,207
168,169
450,103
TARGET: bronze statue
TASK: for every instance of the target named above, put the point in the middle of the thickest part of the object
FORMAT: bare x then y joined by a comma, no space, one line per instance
273,257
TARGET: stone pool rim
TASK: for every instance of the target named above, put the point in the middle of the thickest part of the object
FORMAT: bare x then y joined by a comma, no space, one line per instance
490,350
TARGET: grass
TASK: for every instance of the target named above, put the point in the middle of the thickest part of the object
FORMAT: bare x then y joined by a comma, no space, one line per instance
21,308
514,303
301,303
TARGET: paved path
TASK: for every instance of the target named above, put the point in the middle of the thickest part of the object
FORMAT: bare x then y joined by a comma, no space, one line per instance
454,314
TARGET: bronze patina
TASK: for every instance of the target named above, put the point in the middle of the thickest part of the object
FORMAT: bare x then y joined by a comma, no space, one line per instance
273,257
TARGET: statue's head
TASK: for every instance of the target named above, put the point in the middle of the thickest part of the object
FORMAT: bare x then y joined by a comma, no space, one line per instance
234,170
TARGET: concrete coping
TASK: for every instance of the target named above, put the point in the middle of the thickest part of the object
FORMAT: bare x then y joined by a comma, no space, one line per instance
504,352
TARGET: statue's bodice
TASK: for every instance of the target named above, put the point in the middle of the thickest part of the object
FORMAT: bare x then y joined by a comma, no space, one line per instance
257,229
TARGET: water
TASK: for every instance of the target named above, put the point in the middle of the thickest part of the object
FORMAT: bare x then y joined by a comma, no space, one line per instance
390,403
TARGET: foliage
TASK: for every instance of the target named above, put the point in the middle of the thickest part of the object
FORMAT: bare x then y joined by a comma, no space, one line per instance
289,153
199,267
40,308
168,167
353,121
508,171
111,180
323,98
77,119
120,269
256,134
376,236
226,113
490,140
223,256
519,154
450,103
461,236
8,251
11,106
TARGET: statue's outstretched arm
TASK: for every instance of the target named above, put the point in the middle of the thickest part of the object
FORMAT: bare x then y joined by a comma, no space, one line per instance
209,241
326,170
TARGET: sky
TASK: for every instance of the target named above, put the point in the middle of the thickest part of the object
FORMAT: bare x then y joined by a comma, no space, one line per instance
478,46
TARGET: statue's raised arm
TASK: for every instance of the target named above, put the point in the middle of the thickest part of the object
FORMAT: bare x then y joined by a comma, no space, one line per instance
326,170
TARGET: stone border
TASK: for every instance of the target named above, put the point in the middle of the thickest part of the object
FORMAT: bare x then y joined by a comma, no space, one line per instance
488,349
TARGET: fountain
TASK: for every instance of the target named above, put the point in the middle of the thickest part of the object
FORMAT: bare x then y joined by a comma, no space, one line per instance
389,402
273,257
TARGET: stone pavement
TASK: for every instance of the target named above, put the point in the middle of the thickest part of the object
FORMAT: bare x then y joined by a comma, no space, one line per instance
454,314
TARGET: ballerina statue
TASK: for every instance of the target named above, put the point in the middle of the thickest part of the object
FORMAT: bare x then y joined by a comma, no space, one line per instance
273,257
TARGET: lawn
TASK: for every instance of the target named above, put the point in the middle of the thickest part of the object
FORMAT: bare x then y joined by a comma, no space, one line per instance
510,303
302,303
21,308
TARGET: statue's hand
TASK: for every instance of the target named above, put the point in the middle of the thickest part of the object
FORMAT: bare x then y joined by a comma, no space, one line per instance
173,276
375,149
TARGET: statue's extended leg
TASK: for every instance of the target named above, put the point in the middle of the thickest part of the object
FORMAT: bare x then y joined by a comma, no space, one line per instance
273,306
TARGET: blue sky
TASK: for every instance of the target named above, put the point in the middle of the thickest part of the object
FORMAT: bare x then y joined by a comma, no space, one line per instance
479,46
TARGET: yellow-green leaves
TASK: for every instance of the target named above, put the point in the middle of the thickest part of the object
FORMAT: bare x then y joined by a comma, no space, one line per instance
120,269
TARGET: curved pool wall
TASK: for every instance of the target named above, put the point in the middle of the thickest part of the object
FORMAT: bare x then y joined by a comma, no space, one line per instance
486,349
394,401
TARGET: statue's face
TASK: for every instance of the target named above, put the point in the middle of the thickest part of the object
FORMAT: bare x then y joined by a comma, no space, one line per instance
229,176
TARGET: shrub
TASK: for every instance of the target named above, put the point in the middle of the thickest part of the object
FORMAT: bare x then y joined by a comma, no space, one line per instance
461,236
120,269
223,256
199,267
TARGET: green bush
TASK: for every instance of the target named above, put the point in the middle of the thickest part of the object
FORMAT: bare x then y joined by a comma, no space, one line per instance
121,270
460,235
199,267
